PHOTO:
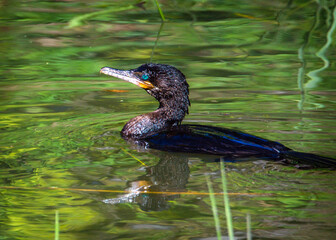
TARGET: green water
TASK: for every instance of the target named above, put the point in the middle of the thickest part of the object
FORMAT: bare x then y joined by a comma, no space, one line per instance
267,68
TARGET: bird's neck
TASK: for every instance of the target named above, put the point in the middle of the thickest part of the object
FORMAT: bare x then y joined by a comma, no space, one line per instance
175,105
170,113
173,108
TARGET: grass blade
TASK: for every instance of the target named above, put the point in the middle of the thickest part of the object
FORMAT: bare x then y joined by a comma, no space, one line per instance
248,227
214,207
56,225
226,202
160,11
156,41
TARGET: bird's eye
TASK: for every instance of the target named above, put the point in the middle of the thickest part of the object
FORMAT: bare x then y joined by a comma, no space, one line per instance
145,77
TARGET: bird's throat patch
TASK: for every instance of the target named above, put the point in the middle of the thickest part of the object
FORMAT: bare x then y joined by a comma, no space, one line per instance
146,85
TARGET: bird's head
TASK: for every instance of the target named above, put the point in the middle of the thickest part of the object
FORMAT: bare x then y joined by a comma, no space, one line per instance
164,82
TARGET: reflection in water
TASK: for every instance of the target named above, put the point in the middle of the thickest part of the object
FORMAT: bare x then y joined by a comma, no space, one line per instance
169,175
314,74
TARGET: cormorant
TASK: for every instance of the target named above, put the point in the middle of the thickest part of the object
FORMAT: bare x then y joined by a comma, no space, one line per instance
162,129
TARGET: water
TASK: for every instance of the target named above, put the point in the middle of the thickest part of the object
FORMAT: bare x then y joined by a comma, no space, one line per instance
264,68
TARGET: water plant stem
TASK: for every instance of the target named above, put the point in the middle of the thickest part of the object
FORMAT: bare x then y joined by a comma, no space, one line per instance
56,225
156,41
134,157
160,11
214,207
226,202
248,227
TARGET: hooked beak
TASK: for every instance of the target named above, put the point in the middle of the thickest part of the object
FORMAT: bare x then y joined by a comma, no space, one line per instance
127,75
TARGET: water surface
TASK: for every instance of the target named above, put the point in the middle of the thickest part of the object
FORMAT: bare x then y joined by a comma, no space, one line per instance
264,68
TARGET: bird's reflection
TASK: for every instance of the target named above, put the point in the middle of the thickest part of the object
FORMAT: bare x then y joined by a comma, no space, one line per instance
169,175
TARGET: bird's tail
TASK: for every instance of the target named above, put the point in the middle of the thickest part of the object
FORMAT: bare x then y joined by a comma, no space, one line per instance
308,160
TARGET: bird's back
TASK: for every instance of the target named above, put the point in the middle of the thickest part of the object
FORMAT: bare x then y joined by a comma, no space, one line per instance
227,143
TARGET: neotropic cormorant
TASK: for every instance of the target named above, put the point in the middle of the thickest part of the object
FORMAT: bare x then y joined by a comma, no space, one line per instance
162,128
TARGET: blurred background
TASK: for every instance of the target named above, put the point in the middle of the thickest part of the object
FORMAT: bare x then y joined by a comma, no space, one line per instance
264,67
